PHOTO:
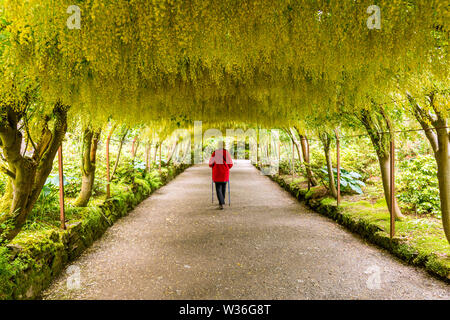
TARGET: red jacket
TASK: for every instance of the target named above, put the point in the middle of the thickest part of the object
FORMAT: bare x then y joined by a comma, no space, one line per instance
220,163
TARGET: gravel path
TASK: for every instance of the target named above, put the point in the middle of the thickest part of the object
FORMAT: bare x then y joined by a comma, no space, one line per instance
267,245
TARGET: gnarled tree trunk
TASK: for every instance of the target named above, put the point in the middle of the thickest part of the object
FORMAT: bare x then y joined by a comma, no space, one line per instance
305,151
147,156
116,164
134,148
27,175
377,124
434,122
294,141
326,141
156,151
172,152
89,152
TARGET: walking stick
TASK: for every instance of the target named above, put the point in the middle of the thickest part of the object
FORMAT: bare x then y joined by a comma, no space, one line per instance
229,193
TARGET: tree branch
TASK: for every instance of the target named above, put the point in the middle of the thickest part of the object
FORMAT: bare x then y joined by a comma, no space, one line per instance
424,120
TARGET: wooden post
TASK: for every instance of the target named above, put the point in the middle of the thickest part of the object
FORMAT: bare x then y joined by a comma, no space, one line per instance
292,165
269,150
133,151
338,165
160,146
155,153
279,153
108,188
147,155
392,185
61,189
257,148
309,160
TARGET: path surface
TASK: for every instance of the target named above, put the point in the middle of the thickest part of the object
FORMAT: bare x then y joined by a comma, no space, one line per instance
267,245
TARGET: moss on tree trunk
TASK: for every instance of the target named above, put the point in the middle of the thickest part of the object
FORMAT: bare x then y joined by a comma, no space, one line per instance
378,127
434,123
305,150
27,174
89,152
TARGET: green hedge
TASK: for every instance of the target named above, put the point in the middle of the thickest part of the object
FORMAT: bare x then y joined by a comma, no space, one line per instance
30,263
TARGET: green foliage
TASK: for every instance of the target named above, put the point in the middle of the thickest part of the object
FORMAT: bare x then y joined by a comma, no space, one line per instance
355,156
8,269
285,167
351,182
418,188
129,171
47,206
3,183
155,180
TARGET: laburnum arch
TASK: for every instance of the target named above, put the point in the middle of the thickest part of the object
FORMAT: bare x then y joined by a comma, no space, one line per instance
269,63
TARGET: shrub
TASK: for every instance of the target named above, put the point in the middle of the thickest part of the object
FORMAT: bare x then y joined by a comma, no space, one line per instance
418,188
356,157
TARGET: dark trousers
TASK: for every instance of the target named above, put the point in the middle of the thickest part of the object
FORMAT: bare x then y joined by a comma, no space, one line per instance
221,188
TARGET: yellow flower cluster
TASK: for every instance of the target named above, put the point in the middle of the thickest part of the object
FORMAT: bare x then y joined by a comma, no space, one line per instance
253,61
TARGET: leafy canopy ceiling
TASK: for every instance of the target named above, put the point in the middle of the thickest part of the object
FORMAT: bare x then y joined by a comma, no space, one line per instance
270,62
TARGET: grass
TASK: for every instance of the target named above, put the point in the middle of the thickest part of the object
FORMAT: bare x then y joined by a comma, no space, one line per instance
426,234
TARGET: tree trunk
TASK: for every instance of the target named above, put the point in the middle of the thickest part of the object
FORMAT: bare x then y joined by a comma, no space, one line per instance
116,164
27,175
169,157
257,149
437,133
294,141
326,141
108,177
376,125
134,148
298,148
147,156
443,164
90,143
156,152
385,168
305,150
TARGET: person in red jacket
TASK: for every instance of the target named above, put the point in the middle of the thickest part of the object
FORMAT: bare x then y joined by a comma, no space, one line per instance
221,164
